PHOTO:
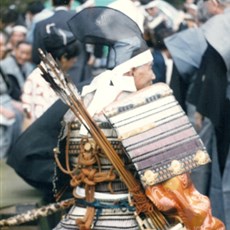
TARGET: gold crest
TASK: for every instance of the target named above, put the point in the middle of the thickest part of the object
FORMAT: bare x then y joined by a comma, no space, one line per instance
149,177
176,167
201,157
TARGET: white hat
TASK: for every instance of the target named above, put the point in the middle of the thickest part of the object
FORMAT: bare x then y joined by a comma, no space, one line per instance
19,28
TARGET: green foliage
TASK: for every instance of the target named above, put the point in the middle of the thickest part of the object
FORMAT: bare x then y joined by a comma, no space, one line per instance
19,4
177,3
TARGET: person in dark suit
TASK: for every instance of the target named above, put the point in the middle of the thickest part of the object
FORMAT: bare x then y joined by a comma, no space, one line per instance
211,96
54,113
62,13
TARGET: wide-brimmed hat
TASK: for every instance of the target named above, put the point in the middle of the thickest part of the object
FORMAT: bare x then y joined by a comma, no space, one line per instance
112,28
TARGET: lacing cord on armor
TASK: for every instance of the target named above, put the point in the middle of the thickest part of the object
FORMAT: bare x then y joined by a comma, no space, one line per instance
99,206
86,222
85,173
88,176
142,204
91,177
57,151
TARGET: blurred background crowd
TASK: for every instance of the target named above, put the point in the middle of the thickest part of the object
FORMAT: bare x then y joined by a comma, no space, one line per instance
182,38
19,43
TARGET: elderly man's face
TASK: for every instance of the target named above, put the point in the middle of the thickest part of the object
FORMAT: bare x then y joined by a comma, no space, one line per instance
143,75
17,37
23,53
152,11
213,7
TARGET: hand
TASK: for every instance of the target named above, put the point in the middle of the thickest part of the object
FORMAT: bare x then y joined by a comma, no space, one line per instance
198,120
9,114
18,105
